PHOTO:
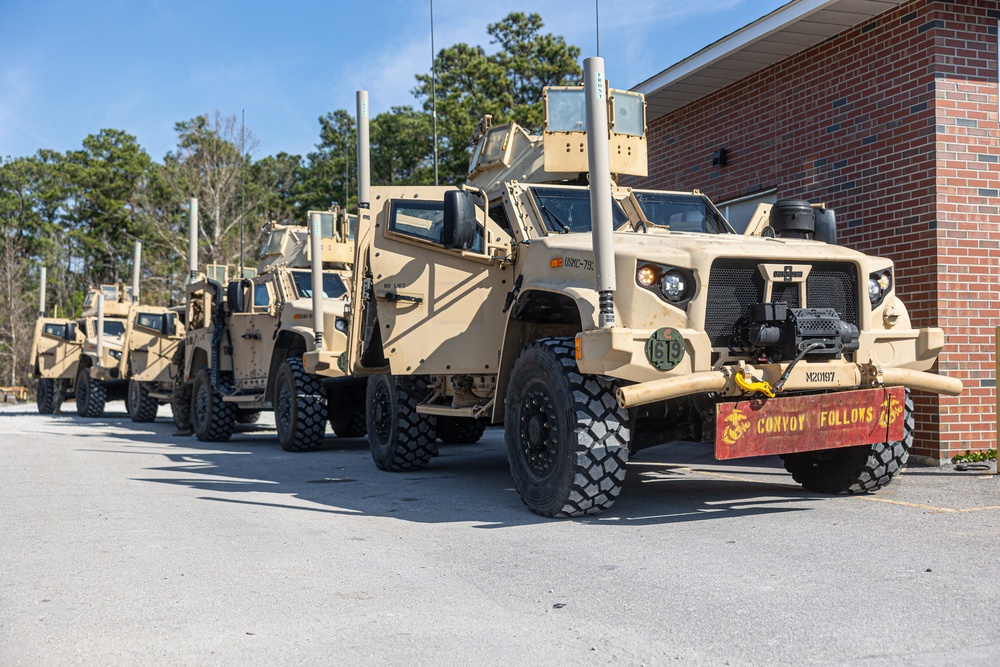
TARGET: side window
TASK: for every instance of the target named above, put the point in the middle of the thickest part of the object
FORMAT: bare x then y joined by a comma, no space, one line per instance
418,219
261,297
150,321
58,330
424,220
498,214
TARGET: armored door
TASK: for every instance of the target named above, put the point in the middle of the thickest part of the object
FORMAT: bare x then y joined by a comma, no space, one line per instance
253,334
58,348
440,310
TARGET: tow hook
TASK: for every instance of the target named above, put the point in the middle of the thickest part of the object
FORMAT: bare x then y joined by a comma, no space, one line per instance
754,384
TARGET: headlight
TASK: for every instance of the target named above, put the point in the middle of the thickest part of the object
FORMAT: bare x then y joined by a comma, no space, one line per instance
873,290
116,354
340,325
674,285
879,285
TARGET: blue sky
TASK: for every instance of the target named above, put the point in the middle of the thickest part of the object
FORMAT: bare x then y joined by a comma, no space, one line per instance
69,68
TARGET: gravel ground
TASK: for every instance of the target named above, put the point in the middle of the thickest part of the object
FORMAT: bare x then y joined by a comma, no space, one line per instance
123,544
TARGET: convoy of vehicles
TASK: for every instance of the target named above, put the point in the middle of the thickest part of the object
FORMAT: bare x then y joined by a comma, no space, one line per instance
79,358
590,318
498,302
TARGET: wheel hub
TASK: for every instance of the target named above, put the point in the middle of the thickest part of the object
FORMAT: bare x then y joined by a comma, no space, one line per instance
538,431
381,414
201,405
284,412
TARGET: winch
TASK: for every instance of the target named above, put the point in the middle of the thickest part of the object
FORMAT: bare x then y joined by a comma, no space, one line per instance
779,333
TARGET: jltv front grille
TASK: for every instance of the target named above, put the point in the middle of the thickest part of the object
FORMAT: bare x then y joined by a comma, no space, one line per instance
735,284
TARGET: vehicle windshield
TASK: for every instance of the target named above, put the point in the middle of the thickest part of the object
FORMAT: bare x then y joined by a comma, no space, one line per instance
681,212
114,328
333,286
566,210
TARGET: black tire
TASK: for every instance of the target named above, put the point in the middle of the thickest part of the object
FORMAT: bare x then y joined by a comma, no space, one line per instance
567,439
180,405
59,388
212,419
91,395
46,397
853,470
349,422
247,416
460,430
399,438
299,407
142,406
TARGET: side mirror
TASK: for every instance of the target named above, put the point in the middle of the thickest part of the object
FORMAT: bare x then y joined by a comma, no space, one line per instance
70,332
170,324
460,225
234,296
826,226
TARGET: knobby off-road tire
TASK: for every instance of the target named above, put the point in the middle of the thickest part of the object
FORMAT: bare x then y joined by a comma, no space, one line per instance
460,430
91,395
247,416
180,405
60,389
349,422
46,396
142,406
399,438
567,439
853,470
212,419
299,407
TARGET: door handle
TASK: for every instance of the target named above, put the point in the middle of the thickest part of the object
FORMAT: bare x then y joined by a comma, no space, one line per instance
254,335
393,296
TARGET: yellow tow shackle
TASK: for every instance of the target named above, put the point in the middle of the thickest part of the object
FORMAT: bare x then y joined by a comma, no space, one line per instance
762,386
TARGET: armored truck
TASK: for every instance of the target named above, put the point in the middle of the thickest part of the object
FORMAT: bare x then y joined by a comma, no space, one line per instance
592,319
79,358
55,360
244,344
151,358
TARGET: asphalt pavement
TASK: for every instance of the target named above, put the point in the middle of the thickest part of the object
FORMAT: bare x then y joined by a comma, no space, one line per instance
121,544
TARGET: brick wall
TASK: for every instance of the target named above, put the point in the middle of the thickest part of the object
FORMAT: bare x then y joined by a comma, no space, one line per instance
894,124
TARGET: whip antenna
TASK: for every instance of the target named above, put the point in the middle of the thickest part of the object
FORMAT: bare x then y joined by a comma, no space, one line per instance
434,111
243,184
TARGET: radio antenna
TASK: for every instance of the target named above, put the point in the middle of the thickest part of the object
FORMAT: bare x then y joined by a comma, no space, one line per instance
243,185
434,111
597,13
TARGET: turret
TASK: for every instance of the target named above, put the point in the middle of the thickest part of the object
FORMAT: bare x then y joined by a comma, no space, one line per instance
504,153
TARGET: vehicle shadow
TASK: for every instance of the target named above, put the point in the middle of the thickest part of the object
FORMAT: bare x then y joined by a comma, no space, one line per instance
465,483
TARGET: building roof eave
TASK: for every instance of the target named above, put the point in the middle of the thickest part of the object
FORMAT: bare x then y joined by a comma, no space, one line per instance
792,28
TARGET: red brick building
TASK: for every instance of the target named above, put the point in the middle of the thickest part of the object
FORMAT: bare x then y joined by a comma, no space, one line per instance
887,111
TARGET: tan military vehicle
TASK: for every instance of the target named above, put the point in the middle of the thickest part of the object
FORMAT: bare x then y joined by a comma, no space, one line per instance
594,320
55,360
80,358
151,358
244,343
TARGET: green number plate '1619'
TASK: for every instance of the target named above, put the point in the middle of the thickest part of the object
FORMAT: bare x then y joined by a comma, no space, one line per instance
665,348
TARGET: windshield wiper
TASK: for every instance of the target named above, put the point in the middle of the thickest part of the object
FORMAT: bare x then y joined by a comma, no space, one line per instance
555,218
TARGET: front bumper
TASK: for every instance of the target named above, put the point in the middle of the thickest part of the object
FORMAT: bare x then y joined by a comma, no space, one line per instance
323,362
889,359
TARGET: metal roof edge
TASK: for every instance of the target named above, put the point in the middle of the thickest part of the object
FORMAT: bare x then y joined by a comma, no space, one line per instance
766,25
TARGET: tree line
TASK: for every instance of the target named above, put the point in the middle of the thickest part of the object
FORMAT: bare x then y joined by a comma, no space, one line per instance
78,213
